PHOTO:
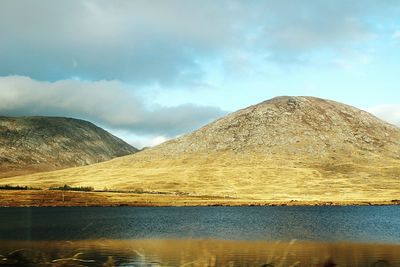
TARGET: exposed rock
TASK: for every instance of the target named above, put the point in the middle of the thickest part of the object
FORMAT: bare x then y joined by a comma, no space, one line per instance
292,125
30,144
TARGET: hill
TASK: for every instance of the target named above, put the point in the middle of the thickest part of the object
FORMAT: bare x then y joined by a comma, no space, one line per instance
32,144
284,149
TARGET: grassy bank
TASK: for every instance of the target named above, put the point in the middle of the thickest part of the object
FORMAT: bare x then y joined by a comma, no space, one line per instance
43,198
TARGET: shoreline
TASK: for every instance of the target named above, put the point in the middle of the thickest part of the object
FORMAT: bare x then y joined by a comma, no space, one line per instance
55,198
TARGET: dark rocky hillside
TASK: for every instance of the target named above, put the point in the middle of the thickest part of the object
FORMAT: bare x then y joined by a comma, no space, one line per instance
31,144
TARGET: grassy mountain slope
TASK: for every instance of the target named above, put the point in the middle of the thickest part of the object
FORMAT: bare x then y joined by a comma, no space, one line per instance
284,149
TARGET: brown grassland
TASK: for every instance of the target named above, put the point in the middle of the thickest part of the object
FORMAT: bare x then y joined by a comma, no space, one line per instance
218,179
52,198
285,150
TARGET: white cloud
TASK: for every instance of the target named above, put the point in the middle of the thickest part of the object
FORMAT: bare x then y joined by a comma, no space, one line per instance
354,60
157,140
396,35
108,103
139,141
389,113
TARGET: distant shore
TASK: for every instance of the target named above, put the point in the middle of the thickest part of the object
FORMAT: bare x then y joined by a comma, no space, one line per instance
55,198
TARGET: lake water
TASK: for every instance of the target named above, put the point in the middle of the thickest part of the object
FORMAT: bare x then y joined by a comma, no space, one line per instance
202,236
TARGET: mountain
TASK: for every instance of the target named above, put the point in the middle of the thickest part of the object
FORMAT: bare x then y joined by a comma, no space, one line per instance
32,144
305,126
283,149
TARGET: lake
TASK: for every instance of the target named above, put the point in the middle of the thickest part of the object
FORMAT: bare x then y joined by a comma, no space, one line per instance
202,236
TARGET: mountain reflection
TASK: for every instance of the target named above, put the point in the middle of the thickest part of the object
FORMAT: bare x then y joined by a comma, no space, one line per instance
187,252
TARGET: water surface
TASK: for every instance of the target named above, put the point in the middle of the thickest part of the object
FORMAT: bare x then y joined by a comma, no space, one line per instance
359,224
203,236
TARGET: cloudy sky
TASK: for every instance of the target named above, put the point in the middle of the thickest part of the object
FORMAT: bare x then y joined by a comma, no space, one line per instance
149,70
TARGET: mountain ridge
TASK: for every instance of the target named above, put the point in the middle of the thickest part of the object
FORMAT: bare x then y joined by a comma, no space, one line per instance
39,143
284,149
283,109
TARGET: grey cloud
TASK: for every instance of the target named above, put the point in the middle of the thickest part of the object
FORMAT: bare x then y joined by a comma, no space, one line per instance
135,41
156,41
291,31
106,103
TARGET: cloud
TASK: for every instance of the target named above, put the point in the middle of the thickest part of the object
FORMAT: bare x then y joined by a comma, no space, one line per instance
139,141
396,35
108,103
352,61
389,113
134,41
296,26
156,41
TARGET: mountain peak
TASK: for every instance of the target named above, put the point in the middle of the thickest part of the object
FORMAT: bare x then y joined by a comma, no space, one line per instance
293,125
290,102
283,149
296,101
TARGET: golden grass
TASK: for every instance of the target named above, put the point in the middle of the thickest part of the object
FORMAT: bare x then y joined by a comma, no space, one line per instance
46,198
244,177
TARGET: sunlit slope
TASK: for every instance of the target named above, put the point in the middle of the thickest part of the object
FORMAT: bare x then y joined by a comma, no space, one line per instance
287,148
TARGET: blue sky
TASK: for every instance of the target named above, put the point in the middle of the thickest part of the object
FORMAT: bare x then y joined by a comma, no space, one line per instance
149,70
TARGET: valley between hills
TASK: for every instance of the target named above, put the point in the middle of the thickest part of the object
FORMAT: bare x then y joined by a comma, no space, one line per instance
284,151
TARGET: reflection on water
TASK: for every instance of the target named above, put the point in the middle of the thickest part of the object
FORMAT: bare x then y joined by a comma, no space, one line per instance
195,253
201,236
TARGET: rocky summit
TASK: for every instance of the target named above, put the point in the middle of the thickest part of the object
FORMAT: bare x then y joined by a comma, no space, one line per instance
31,144
284,149
293,126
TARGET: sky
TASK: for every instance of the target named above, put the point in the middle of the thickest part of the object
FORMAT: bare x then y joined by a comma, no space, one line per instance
151,70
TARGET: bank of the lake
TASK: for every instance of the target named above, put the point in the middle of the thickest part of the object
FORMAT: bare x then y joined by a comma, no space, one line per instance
56,198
